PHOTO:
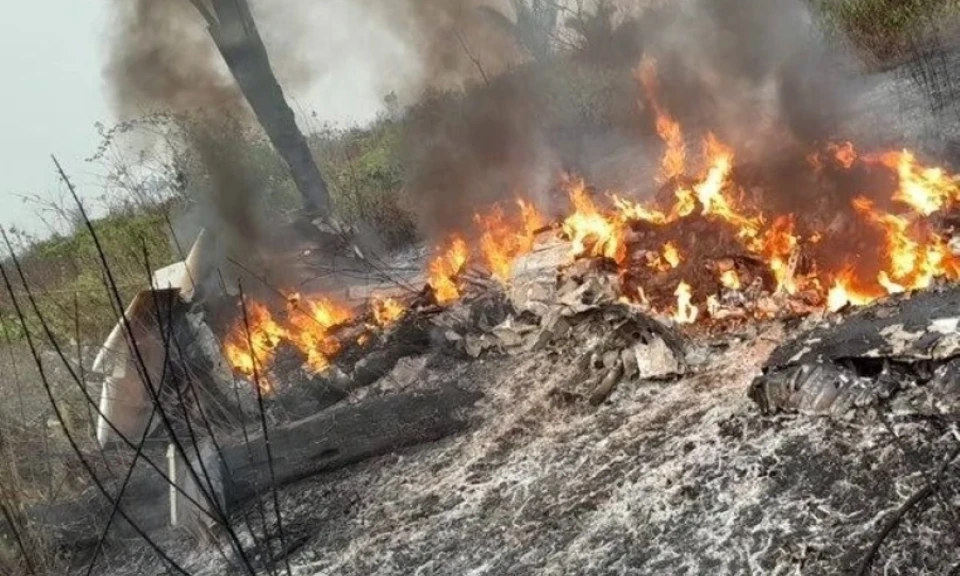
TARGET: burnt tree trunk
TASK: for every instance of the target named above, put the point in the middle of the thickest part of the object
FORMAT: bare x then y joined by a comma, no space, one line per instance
235,33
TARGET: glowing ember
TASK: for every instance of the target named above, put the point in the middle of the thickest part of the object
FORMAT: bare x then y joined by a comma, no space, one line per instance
444,271
671,255
844,153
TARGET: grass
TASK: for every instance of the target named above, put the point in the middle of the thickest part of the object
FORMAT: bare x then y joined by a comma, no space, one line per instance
65,270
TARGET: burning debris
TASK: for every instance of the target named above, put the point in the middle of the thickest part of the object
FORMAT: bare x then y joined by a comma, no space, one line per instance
716,246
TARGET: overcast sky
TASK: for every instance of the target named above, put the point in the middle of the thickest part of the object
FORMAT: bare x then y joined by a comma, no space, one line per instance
52,54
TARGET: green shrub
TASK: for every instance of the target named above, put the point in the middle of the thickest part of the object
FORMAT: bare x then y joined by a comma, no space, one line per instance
882,30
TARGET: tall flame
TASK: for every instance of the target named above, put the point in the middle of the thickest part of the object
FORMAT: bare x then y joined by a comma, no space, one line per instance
310,321
674,159
503,240
445,269
590,231
251,352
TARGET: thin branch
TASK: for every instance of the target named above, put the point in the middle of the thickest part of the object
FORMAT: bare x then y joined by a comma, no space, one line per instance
144,374
266,438
472,58
16,535
69,435
897,516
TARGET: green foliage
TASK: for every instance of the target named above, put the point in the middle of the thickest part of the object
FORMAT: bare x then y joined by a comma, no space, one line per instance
364,170
882,30
66,269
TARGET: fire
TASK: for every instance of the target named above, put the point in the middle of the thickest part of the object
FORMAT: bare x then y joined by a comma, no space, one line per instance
504,240
843,292
445,269
892,243
310,321
686,312
387,311
778,246
914,257
730,279
250,352
926,190
628,211
675,156
591,232
710,191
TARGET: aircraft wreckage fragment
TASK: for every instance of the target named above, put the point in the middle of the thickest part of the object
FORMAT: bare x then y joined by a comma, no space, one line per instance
904,349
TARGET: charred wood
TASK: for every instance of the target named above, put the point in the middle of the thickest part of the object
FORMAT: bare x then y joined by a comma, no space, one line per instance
339,437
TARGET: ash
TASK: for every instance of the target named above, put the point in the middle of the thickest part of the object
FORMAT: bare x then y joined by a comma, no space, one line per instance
669,477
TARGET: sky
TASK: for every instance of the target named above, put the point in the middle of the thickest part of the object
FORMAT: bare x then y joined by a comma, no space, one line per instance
51,54
54,93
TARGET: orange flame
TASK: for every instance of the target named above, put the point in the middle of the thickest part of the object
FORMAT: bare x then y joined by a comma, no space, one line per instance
310,321
444,270
251,352
502,242
926,190
632,211
843,292
674,158
592,233
914,258
387,311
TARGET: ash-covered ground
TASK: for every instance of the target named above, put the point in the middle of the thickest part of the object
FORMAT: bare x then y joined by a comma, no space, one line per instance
668,477
681,477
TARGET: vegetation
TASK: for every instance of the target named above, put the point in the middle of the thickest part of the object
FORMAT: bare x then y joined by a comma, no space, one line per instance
581,89
885,31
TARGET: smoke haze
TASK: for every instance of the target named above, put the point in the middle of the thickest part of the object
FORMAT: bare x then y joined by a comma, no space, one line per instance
753,71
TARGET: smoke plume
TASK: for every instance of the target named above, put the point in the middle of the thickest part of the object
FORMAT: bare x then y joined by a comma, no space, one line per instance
755,72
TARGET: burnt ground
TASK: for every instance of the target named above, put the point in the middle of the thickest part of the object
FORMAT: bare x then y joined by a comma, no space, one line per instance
683,477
